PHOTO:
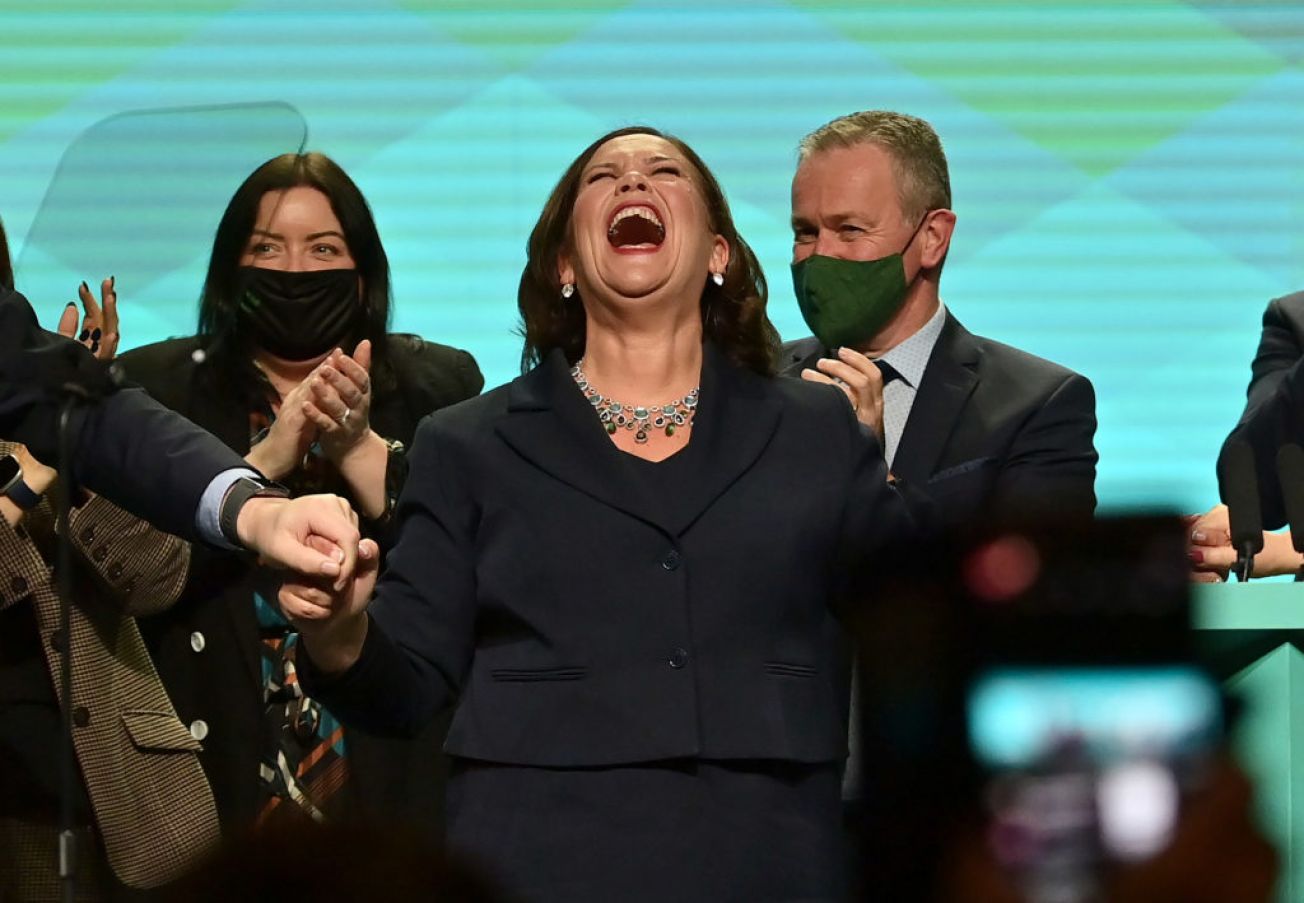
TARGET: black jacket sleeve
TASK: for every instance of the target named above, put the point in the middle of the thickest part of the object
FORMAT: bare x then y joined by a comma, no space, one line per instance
148,460
1274,408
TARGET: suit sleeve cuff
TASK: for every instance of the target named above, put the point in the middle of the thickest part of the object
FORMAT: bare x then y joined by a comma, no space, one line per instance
208,514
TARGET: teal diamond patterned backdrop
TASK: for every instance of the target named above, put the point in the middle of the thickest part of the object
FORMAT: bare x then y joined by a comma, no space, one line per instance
1127,175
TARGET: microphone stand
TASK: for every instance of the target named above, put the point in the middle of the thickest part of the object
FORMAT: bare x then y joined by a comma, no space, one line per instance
72,396
1244,566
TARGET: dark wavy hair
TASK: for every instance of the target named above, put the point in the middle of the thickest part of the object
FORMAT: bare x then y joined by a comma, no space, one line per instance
733,315
228,348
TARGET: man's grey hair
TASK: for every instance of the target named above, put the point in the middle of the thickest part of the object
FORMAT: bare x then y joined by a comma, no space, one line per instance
923,182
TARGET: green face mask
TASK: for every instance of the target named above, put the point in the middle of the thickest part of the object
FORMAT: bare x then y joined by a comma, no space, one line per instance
846,302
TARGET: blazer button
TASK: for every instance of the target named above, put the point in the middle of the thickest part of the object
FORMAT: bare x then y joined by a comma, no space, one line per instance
671,561
100,553
115,571
197,641
81,716
19,585
678,658
88,535
199,728
58,640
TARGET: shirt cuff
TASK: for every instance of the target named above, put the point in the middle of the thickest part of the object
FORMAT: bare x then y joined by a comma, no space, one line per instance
208,514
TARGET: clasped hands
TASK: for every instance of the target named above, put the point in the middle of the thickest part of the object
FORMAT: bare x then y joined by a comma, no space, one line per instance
1212,555
311,535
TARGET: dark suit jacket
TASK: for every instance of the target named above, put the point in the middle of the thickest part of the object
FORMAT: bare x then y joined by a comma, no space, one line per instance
1274,406
222,682
584,620
128,447
993,431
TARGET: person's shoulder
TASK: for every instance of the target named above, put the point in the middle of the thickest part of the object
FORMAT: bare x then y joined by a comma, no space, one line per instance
433,367
411,350
1019,366
792,353
468,420
1289,307
163,357
167,350
808,403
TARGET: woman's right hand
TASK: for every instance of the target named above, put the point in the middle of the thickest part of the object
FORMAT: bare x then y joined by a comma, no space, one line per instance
332,623
288,439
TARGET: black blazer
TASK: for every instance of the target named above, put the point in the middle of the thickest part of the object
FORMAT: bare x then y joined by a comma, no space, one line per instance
220,683
1274,405
584,620
994,431
130,449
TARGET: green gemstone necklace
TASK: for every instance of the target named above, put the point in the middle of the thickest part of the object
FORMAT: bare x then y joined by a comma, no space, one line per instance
639,418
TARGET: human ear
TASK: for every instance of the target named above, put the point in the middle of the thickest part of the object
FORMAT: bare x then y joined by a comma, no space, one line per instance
719,255
936,238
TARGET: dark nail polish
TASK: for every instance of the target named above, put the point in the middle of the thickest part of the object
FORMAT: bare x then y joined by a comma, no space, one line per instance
72,304
95,347
96,334
85,334
112,281
1196,556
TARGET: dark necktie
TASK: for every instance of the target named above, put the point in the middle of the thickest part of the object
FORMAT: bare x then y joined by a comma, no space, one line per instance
889,372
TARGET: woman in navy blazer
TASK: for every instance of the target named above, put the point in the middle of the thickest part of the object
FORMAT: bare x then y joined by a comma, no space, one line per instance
632,604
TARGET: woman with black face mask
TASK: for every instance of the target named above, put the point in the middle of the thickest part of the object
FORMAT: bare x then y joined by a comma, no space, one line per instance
293,368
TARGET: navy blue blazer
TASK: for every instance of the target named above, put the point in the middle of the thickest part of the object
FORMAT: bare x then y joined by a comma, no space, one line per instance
1274,404
127,447
580,619
993,432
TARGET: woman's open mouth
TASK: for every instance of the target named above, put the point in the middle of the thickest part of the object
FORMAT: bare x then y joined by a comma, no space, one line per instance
636,227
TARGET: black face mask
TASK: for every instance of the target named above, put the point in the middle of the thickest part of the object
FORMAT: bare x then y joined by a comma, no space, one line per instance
300,315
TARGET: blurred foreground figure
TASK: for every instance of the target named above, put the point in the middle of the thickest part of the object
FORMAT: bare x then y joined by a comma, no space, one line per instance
333,864
1038,727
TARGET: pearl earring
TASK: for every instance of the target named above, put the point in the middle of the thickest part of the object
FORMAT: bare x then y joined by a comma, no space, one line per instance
717,278
567,290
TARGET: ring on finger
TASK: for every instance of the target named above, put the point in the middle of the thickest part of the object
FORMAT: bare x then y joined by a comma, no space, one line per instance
344,418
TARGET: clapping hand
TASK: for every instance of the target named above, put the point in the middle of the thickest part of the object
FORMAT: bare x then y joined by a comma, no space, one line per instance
858,377
331,405
339,400
99,327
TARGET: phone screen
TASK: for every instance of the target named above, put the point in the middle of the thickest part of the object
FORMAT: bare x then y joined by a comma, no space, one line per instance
1087,765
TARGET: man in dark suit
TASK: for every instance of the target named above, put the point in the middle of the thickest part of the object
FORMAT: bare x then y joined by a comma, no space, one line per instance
1274,404
978,426
1273,417
152,462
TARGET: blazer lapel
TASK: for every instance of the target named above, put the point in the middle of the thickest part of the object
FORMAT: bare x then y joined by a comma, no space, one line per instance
550,424
949,380
735,421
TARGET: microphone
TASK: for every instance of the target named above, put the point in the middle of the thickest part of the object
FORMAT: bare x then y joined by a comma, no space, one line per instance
1241,483
1290,472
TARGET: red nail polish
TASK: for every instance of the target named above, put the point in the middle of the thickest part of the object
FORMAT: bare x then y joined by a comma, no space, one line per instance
1196,556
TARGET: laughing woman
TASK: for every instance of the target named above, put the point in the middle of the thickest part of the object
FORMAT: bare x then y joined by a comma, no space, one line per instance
623,566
